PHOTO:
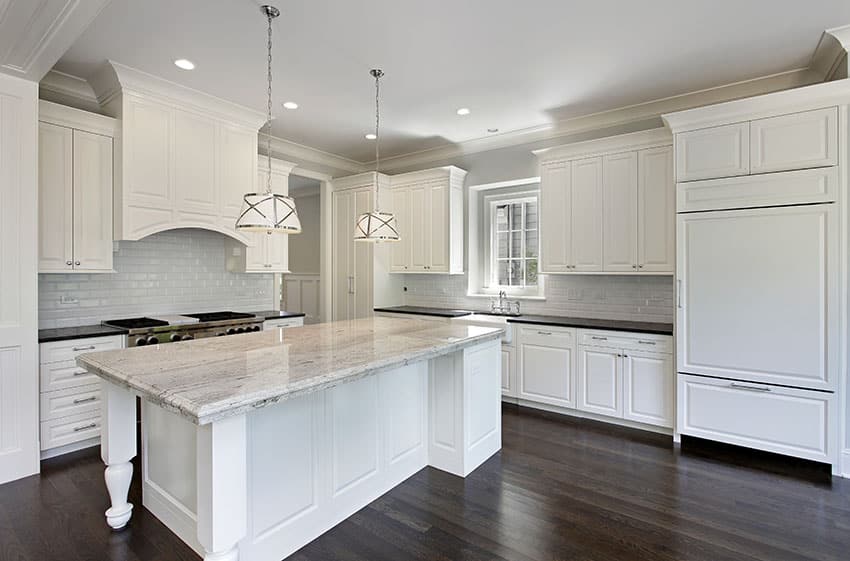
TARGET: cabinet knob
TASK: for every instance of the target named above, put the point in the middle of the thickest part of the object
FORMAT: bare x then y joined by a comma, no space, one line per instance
77,263
640,266
634,267
69,263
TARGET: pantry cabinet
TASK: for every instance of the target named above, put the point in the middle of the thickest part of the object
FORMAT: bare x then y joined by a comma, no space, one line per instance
75,190
428,206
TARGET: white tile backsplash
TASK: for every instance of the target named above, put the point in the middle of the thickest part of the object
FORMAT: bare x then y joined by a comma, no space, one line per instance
166,273
639,298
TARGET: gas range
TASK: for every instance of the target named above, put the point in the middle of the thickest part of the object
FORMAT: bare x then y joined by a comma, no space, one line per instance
155,331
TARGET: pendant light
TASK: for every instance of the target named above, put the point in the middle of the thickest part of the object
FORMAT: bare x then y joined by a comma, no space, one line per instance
377,226
269,212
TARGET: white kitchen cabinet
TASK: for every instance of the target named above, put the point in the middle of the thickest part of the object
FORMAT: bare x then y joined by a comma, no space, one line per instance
429,211
546,365
195,167
722,151
555,217
586,206
758,295
283,323
75,191
509,373
802,140
656,220
620,211
600,381
352,271
648,388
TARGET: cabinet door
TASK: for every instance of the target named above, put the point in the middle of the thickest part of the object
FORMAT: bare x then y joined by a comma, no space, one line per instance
277,245
656,233
147,154
419,214
648,388
256,253
438,239
620,202
508,373
363,270
797,141
600,381
759,297
343,266
55,198
555,194
586,213
196,195
237,169
713,152
400,260
546,374
92,202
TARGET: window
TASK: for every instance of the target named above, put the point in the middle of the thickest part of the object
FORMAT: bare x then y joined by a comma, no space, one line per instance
514,247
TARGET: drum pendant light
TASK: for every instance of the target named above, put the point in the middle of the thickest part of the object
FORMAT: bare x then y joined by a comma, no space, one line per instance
269,212
377,226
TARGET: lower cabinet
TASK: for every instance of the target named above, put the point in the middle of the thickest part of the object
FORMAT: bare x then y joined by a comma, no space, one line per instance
546,358
509,381
600,381
649,388
283,322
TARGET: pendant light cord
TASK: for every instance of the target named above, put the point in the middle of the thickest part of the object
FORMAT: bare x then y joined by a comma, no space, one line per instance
269,114
377,73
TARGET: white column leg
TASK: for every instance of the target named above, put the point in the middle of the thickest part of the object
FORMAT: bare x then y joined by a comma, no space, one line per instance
117,448
222,487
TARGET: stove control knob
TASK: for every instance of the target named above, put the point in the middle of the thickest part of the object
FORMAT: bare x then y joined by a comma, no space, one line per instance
231,331
240,330
175,337
187,338
256,328
220,334
153,341
141,342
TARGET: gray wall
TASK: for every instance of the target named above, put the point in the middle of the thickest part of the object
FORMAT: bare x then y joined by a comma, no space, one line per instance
305,248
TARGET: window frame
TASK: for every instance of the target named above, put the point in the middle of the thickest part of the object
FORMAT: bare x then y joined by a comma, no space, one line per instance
494,260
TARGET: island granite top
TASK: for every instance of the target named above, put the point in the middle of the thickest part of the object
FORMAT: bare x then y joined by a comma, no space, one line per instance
213,378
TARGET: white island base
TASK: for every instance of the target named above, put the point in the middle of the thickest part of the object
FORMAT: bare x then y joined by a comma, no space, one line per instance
259,485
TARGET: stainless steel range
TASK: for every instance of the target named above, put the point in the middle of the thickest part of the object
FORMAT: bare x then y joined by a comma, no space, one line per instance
155,331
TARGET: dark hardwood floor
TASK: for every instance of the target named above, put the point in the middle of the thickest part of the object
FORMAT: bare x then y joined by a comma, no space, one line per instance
561,489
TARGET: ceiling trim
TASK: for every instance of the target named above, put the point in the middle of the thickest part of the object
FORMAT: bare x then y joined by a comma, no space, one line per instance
640,140
831,52
293,150
68,86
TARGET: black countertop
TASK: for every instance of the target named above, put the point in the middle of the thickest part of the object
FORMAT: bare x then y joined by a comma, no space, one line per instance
423,311
593,323
81,332
277,314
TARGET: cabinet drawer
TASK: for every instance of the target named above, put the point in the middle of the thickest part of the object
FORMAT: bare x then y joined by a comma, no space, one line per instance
276,323
61,351
68,430
773,418
795,187
626,341
796,141
548,336
73,401
62,375
713,152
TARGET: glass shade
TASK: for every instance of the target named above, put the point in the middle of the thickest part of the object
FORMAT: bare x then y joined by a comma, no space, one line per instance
376,227
269,212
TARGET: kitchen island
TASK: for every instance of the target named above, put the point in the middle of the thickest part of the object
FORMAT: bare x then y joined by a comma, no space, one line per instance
253,445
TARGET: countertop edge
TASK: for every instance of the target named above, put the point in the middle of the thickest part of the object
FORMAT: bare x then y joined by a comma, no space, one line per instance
661,329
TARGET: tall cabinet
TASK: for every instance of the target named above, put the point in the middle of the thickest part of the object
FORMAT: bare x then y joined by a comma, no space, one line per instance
75,161
607,205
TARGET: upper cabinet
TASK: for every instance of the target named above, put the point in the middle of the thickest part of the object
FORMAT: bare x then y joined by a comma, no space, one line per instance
714,152
75,190
429,211
607,206
183,159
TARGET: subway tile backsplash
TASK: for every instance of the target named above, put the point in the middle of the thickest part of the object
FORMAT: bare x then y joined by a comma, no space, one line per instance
640,298
166,273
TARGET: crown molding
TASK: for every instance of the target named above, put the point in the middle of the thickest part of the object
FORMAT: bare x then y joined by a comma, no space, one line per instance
279,167
831,53
302,153
68,86
70,117
453,173
608,145
768,105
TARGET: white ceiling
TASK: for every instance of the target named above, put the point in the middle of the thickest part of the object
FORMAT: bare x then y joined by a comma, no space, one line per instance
514,64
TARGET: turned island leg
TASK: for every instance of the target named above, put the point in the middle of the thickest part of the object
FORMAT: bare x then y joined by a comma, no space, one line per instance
222,487
117,448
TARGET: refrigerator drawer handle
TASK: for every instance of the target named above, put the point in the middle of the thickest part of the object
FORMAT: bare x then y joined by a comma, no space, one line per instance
738,386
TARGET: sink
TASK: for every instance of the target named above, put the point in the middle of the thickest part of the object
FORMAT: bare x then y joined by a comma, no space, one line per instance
486,319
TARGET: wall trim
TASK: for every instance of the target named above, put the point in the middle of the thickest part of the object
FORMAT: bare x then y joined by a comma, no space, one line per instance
831,52
65,116
293,150
640,140
844,467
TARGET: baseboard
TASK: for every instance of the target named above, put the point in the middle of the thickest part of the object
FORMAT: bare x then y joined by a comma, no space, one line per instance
172,513
68,448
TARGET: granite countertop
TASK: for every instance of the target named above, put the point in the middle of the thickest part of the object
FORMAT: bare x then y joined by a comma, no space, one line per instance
593,323
277,314
424,311
81,332
213,378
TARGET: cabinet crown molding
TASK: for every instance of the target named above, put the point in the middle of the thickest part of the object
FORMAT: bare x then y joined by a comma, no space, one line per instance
454,173
279,167
70,117
368,179
789,101
115,79
608,145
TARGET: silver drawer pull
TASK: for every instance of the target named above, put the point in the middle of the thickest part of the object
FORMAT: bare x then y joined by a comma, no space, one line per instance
85,427
646,342
80,372
595,338
544,332
89,348
749,388
85,400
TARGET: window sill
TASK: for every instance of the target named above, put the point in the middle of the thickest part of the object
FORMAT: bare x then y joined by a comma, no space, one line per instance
508,296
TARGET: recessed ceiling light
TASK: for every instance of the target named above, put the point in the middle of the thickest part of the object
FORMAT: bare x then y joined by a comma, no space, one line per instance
491,131
290,105
185,64
463,111
371,136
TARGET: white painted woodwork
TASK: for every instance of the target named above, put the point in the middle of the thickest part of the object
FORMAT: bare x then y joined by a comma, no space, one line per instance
92,224
354,442
302,294
620,211
758,298
283,323
600,381
117,448
67,351
56,197
586,235
68,431
796,141
649,394
555,217
18,278
722,151
777,419
625,340
509,372
194,159
64,375
546,363
71,401
656,221
239,162
352,273
820,185
430,219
